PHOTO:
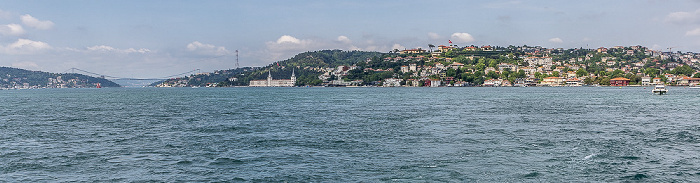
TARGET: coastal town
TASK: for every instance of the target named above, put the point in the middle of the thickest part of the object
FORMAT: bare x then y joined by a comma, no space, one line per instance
522,66
466,66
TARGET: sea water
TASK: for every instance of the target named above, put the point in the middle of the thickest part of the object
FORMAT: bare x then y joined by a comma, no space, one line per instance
578,134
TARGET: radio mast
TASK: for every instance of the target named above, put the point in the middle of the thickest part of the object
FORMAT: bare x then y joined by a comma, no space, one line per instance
236,59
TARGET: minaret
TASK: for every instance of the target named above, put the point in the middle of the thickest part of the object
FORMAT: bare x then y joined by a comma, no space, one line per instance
269,78
294,78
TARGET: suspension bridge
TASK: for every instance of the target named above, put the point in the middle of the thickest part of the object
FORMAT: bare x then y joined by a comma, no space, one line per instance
117,78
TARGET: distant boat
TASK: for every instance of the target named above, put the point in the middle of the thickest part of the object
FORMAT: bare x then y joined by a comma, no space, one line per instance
195,86
659,89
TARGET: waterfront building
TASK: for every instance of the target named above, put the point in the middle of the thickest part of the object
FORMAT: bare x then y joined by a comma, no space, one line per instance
269,82
574,82
646,81
493,82
688,81
432,83
619,81
392,82
552,81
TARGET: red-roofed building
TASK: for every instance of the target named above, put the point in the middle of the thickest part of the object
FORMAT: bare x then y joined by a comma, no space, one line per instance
487,48
443,48
688,81
619,81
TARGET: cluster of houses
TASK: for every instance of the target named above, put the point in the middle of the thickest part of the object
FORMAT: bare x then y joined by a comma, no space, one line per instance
58,82
534,60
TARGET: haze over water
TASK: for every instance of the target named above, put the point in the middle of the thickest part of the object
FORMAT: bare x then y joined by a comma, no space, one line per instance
471,134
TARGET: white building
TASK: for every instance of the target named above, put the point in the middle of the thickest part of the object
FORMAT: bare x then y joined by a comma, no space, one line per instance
274,83
392,82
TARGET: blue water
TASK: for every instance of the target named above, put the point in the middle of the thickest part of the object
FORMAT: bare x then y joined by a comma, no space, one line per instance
603,134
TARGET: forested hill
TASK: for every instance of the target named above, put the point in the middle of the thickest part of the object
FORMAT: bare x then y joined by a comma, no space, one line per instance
328,58
305,66
20,78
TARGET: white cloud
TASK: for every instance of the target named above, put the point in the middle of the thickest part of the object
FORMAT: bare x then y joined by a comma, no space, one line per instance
30,21
100,48
103,48
398,47
287,46
344,39
683,17
694,32
141,50
462,37
26,46
11,30
207,49
556,40
433,35
288,39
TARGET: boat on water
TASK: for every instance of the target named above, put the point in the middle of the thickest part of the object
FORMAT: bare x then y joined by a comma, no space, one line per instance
659,89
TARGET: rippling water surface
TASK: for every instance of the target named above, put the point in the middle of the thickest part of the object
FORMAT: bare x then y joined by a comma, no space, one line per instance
350,134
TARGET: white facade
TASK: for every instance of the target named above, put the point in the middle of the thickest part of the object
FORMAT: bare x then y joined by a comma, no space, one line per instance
274,83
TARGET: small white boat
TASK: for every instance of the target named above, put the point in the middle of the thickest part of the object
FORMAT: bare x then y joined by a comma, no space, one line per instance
659,89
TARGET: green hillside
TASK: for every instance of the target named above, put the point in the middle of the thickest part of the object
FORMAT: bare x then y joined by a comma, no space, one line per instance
20,78
304,65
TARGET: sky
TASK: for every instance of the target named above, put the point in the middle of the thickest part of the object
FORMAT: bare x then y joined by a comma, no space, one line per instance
158,38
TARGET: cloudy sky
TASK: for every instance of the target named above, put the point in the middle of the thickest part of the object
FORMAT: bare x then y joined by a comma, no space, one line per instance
151,39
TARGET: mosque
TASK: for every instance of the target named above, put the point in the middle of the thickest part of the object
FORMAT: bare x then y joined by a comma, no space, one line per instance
274,83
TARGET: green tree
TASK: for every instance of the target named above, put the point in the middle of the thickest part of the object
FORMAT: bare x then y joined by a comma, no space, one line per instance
480,66
493,63
581,72
683,70
588,81
520,74
492,75
617,73
451,72
555,74
604,81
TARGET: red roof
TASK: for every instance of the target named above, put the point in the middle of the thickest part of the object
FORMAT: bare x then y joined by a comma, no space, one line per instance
620,79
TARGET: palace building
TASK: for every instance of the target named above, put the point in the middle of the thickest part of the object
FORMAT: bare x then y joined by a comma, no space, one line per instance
274,83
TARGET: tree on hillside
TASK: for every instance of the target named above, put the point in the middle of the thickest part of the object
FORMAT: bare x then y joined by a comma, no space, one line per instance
431,46
651,72
581,72
683,70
